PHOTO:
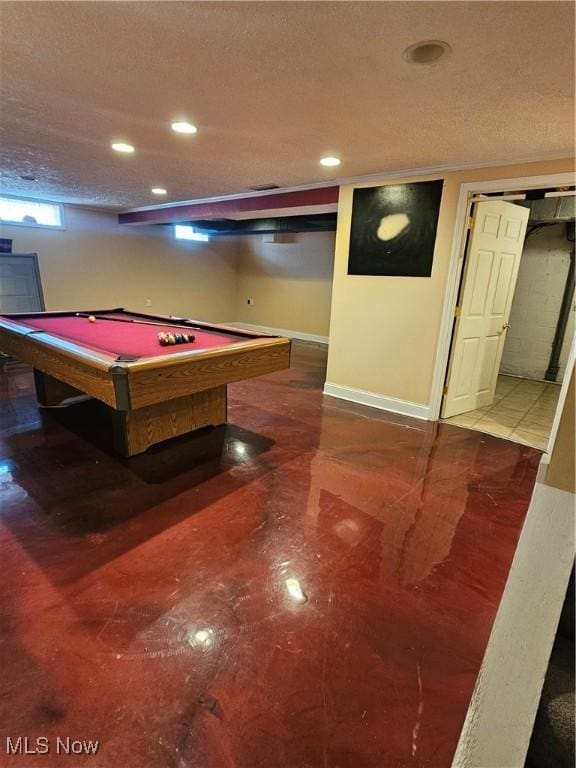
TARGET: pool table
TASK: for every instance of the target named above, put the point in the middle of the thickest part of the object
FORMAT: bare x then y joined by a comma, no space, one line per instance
153,392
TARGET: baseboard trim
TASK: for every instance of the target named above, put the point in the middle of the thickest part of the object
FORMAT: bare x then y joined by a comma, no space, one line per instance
403,407
301,335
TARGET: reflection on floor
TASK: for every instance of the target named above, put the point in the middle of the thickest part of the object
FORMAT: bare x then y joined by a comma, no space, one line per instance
312,585
523,411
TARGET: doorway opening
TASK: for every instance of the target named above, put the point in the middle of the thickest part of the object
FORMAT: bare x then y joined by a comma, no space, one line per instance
514,319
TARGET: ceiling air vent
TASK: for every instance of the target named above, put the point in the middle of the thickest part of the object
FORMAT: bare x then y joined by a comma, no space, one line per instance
263,187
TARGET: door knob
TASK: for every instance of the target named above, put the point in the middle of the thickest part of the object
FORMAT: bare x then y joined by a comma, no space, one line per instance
504,328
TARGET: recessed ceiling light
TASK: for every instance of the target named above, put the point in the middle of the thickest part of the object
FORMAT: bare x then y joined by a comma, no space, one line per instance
330,162
426,52
159,191
121,146
181,126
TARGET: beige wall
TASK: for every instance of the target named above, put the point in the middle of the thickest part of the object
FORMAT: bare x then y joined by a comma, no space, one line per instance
562,467
95,263
384,330
290,283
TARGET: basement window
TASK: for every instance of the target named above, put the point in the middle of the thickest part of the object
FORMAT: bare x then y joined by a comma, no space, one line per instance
31,213
187,232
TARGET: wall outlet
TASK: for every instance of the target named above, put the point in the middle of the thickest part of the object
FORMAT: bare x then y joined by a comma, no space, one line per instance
148,302
250,302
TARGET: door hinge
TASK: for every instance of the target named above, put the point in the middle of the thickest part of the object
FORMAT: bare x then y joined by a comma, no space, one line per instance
471,222
445,390
456,311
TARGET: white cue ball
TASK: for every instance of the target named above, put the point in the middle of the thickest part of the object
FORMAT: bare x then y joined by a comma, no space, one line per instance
91,319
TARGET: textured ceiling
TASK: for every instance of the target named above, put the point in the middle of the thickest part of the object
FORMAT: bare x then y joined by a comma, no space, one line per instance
272,87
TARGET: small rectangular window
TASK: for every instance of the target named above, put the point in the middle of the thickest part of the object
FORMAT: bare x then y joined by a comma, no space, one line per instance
187,232
31,213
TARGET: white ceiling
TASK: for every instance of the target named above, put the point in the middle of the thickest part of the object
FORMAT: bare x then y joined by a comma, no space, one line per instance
272,87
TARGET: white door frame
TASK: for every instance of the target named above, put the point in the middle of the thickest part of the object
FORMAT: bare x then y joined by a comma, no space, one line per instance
467,191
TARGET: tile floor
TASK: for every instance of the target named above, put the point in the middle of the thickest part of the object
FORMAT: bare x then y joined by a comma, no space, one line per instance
523,411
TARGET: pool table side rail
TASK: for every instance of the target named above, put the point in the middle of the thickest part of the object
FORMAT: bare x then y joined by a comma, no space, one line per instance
193,355
201,324
110,363
86,370
127,385
153,380
163,319
61,313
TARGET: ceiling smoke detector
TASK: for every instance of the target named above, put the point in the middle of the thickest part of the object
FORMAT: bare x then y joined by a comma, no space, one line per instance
426,52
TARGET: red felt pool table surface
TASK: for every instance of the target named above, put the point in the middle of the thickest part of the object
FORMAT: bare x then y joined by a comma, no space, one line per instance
117,338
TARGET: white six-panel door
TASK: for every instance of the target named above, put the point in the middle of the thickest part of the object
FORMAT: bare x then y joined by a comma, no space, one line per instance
492,263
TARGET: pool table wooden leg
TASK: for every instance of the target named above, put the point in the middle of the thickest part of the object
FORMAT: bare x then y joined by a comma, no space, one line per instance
137,430
51,392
